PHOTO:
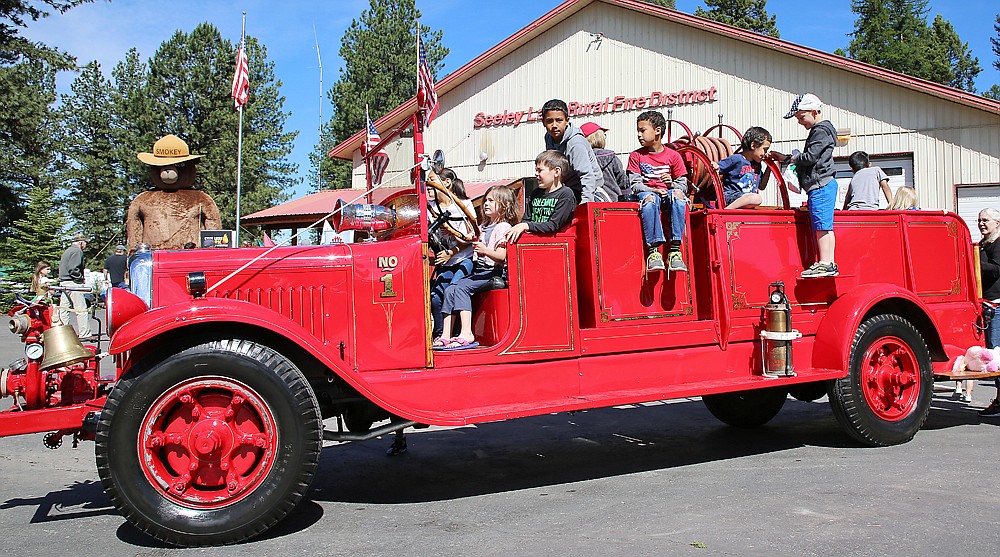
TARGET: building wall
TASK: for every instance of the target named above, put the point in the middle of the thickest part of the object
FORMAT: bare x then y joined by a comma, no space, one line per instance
638,54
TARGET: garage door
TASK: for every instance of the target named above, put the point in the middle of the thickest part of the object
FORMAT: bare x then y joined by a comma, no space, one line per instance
972,199
898,168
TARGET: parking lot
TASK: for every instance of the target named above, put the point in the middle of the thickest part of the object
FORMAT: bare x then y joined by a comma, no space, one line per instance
656,479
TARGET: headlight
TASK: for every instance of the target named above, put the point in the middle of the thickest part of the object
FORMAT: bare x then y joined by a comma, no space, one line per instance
140,272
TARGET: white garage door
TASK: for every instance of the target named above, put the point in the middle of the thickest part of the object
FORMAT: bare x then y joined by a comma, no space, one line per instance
972,199
898,168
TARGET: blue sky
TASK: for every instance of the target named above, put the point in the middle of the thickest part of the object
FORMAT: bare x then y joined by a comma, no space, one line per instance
104,31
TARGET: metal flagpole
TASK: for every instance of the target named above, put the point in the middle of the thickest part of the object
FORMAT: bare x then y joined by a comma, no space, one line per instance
319,175
239,145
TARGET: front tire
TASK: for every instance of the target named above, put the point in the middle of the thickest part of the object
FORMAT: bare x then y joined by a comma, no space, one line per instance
752,408
886,396
210,446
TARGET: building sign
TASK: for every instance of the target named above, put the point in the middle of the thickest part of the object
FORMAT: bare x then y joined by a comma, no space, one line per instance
620,103
216,239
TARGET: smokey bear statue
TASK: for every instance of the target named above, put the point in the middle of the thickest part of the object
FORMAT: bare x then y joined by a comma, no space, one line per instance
172,213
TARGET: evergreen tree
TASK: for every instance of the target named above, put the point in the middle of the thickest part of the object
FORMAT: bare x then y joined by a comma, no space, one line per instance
35,238
27,89
746,14
14,15
379,53
132,126
994,92
894,34
672,4
189,86
959,66
93,197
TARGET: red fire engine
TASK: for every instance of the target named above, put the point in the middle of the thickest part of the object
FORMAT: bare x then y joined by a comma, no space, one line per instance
229,361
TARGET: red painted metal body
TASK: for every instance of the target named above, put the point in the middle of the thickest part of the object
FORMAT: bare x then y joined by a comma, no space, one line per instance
581,325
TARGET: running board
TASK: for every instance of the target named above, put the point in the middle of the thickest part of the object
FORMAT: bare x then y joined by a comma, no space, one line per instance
384,430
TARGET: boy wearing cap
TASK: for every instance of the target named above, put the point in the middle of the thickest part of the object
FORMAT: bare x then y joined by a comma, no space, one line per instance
116,268
584,177
814,167
615,180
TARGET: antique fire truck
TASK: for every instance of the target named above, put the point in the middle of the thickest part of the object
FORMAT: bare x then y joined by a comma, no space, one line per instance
228,362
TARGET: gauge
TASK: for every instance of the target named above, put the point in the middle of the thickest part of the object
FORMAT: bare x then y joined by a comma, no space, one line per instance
776,297
34,351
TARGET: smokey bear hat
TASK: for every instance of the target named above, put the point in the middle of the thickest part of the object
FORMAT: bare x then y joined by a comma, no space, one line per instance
168,150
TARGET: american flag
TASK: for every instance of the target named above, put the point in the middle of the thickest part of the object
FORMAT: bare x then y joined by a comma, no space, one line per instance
241,79
378,163
426,96
373,136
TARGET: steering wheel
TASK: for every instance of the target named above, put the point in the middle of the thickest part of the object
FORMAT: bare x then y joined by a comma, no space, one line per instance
439,212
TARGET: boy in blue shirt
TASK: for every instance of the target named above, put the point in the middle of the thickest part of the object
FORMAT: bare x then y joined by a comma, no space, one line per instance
814,168
741,172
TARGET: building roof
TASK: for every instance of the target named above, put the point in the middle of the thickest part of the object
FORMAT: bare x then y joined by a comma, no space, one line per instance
313,207
345,149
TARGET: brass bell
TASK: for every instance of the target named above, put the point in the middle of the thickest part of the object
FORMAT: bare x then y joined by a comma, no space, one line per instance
63,347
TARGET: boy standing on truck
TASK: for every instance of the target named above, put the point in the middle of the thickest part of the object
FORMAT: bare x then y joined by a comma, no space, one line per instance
550,207
862,193
659,179
584,178
814,168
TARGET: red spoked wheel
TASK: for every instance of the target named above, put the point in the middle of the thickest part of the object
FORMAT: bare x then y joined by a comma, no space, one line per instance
886,396
890,378
210,445
208,442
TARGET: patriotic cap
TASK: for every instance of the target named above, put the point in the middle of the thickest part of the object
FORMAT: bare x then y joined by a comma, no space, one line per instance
807,101
168,150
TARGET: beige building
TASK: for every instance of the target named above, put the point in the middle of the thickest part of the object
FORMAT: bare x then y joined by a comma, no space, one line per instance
613,59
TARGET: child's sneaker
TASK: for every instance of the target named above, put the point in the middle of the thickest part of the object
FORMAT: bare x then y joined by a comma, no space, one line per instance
676,262
820,269
654,261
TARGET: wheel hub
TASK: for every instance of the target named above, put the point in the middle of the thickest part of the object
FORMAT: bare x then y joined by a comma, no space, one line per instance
890,379
207,442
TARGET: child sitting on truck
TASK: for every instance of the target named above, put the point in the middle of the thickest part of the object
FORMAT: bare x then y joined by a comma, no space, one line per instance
658,177
741,172
550,207
452,257
815,170
500,214
862,193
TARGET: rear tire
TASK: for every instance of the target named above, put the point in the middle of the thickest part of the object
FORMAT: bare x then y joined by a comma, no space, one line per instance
210,446
751,408
886,396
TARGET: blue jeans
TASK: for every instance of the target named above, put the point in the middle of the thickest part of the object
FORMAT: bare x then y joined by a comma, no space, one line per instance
445,277
649,214
993,340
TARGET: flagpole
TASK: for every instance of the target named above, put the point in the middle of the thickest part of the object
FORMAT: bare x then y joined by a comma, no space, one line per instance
366,153
239,147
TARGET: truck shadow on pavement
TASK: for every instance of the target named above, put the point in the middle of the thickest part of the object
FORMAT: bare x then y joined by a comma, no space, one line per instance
78,500
558,449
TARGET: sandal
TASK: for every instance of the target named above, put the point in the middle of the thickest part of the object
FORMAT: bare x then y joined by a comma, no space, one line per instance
440,342
459,343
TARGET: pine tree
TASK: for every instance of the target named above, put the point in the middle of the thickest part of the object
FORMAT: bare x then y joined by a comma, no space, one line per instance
672,4
994,92
894,34
35,238
132,127
379,53
188,84
15,14
92,196
745,14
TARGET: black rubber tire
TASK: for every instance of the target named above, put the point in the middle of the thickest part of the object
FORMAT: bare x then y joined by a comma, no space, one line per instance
808,392
288,397
847,399
752,408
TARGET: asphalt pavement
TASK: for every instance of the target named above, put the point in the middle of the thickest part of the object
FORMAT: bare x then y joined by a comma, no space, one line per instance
648,480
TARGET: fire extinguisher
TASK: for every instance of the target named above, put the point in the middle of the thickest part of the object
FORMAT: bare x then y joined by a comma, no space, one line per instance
777,334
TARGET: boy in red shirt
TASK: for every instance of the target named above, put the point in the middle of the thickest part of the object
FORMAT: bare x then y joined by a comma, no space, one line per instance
659,178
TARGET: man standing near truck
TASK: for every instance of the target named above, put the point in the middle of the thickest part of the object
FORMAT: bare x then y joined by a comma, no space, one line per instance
71,277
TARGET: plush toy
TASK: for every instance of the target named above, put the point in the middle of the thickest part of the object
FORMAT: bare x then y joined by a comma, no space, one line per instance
978,359
173,212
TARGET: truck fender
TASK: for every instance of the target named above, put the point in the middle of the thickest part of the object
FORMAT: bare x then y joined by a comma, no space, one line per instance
832,347
158,321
